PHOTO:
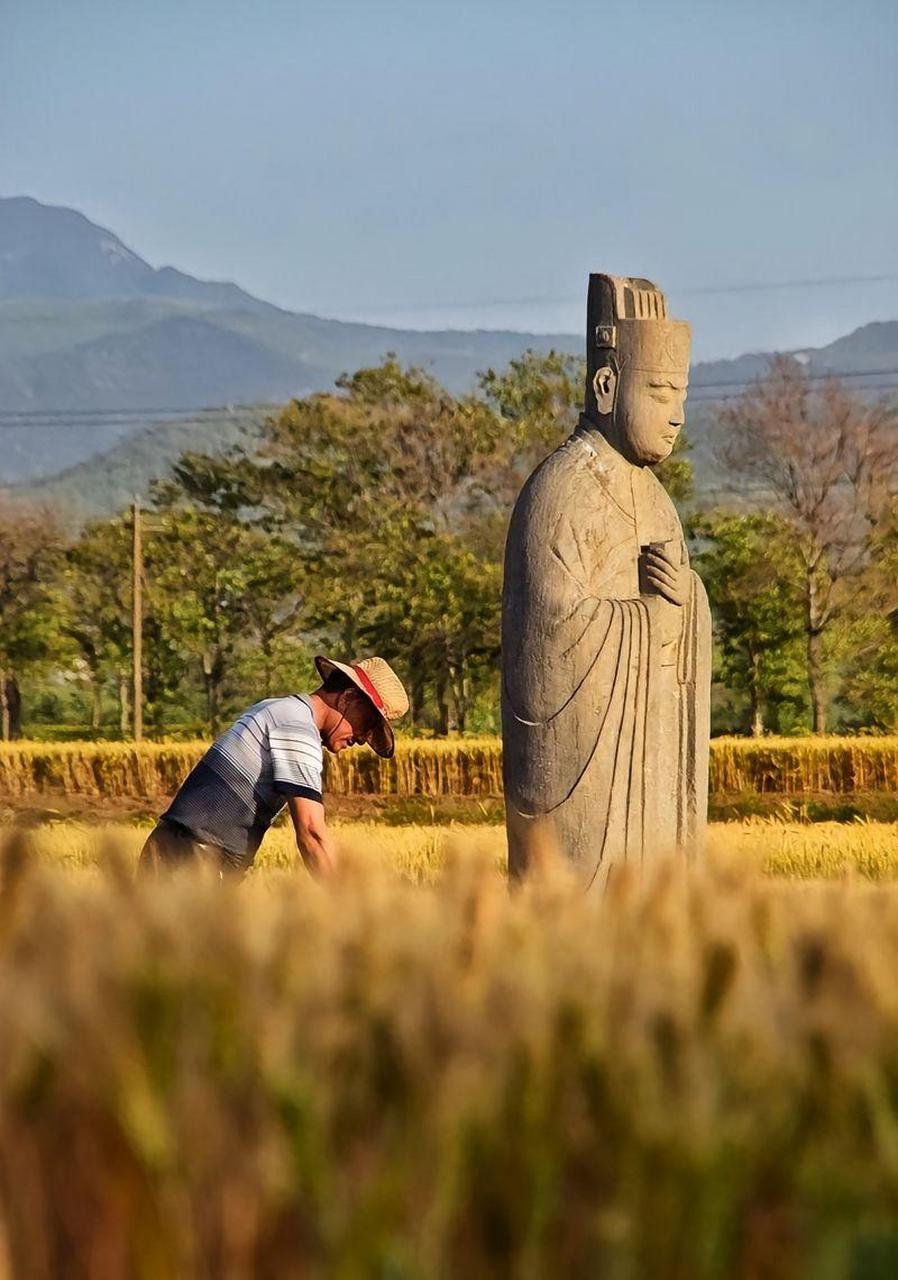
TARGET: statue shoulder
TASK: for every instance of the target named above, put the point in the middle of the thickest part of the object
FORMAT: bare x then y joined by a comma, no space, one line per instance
556,480
658,494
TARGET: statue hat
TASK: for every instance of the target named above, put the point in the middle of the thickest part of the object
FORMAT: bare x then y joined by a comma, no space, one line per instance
627,316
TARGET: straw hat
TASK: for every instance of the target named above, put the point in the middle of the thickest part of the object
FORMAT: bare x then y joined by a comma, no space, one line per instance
380,683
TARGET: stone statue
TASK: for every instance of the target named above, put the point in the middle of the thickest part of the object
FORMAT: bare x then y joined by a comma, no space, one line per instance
606,632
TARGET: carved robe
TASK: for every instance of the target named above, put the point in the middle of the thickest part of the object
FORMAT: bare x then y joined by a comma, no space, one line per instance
605,722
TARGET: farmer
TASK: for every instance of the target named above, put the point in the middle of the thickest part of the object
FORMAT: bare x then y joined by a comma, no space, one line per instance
271,757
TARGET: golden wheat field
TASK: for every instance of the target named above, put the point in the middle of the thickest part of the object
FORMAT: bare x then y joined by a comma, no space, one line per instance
689,1077
418,852
415,1073
460,767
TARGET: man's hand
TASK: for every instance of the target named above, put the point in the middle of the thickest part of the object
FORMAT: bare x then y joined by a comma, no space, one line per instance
312,836
664,577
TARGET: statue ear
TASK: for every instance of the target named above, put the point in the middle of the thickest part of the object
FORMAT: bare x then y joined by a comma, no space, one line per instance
604,385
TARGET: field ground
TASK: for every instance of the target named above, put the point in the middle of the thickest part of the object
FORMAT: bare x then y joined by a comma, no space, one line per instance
35,808
418,851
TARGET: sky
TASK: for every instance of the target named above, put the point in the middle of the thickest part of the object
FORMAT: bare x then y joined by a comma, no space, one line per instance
451,164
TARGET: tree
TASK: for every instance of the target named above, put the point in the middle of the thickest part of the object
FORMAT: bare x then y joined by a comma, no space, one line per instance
437,602
385,504
537,400
751,573
870,690
539,397
220,591
378,490
825,460
675,472
29,545
95,573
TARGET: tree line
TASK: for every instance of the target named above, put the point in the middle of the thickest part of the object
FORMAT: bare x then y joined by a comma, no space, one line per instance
372,519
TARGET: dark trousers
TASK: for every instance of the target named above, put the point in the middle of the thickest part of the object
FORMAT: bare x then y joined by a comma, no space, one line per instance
170,846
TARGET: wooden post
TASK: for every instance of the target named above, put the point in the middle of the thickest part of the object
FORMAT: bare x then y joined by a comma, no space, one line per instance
137,625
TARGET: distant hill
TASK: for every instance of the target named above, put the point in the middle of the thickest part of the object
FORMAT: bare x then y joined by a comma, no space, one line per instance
107,482
51,252
105,360
867,356
866,360
88,328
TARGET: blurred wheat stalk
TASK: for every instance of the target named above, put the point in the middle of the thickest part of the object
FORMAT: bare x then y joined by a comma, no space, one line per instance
455,767
686,1078
419,852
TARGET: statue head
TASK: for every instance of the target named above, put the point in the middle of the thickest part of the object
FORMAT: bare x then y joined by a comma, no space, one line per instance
637,367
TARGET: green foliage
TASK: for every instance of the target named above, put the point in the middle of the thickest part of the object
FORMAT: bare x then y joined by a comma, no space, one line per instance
96,616
380,499
869,696
870,656
541,394
675,472
221,588
537,400
753,582
29,548
437,603
372,519
823,458
30,635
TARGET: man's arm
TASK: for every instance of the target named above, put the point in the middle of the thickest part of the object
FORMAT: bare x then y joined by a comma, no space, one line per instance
312,836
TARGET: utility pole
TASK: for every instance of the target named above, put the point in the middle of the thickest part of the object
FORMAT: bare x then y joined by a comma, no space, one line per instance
137,624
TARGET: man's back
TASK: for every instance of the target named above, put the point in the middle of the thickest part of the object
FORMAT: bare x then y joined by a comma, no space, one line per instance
242,782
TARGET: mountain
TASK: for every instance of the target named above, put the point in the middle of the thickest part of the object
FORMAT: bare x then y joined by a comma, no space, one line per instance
866,360
108,481
52,252
868,355
96,344
103,483
105,360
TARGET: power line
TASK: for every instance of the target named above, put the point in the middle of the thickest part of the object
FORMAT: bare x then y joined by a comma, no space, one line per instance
735,395
811,378
184,411
771,286
241,409
823,376
560,300
62,421
107,418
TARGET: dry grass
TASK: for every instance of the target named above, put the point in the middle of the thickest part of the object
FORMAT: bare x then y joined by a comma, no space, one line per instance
792,766
683,1079
463,767
419,852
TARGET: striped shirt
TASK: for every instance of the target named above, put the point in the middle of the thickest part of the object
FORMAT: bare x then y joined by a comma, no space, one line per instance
242,782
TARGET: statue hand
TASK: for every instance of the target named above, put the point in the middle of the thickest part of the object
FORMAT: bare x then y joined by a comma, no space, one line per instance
664,577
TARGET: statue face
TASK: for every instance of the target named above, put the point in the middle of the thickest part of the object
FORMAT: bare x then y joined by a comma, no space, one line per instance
649,411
